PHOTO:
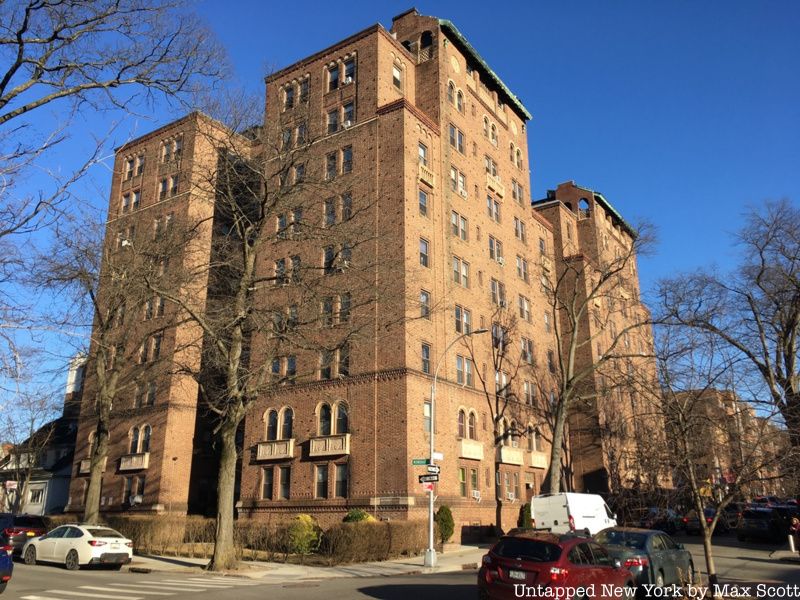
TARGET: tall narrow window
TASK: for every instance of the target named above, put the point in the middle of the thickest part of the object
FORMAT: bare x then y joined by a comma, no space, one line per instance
333,78
426,358
462,423
347,159
325,420
471,426
333,121
342,419
145,446
304,90
289,97
397,77
285,474
267,482
423,252
462,481
134,448
321,490
425,304
423,203
423,154
272,425
286,426
349,70
341,481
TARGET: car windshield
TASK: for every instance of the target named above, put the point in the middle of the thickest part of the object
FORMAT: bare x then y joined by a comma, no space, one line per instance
622,538
527,549
26,521
105,533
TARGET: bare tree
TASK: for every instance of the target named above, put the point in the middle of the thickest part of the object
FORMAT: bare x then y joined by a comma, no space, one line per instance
602,334
718,447
285,287
109,303
755,309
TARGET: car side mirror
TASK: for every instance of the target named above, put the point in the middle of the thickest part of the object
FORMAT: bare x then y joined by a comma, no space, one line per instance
617,564
614,516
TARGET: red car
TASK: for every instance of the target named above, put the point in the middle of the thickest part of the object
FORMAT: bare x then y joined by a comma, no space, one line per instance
524,564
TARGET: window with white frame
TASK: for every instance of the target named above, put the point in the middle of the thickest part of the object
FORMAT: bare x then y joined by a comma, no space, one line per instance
522,269
493,209
424,252
498,292
495,249
490,165
425,304
463,319
464,371
456,138
524,308
397,77
519,230
460,272
458,225
527,350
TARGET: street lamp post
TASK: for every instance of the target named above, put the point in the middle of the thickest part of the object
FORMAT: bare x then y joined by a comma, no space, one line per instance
430,552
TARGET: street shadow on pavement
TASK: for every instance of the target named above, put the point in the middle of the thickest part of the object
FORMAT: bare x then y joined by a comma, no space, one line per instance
166,560
420,592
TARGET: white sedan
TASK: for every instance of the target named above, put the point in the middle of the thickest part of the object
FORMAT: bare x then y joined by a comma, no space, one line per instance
77,545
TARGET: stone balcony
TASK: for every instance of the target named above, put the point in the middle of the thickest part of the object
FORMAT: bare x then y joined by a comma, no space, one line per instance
86,465
512,456
493,183
331,445
547,263
275,450
470,449
134,462
539,460
426,176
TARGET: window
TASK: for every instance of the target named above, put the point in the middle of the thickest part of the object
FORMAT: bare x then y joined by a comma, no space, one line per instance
457,138
519,230
490,165
343,360
460,272
462,424
267,482
542,246
329,208
173,185
36,496
347,207
423,154
527,350
285,475
499,336
426,358
423,203
486,127
156,346
345,304
341,481
325,364
498,291
330,166
423,251
333,78
280,271
495,249
347,159
460,101
301,133
472,426
551,361
342,419
473,475
501,384
272,425
321,489
522,269
291,367
462,481
128,169
524,309
137,196
349,71
324,420
458,181
451,93
519,158
333,121
286,425
162,189
397,77
493,134
517,191
547,326
464,371
328,258
528,393
166,152
426,416
150,396
425,304
288,97
458,225
126,202
493,209
516,483
463,319
304,90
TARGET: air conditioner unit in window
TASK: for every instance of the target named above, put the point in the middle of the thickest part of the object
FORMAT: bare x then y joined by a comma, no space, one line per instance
347,124
348,80
501,261
476,494
463,193
510,496
135,499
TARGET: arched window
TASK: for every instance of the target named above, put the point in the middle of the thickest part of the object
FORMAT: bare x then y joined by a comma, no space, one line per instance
342,419
486,126
286,426
460,101
146,431
494,134
134,440
324,420
426,39
519,158
471,428
461,423
583,206
272,425
451,93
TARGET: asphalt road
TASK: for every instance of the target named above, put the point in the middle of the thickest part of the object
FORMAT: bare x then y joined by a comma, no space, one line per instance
736,562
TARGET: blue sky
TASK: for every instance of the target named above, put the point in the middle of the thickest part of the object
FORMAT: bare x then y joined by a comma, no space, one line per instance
682,113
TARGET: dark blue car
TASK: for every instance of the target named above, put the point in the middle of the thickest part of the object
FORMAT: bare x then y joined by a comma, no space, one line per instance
6,564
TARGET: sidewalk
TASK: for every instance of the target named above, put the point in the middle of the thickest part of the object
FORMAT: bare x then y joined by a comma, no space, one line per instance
786,555
457,558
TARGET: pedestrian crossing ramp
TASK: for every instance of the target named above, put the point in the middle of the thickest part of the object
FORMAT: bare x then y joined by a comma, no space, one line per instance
141,590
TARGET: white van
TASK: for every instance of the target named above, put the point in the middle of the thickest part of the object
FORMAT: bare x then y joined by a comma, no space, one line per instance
568,511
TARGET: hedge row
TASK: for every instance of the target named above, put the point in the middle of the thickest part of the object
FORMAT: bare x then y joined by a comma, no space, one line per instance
342,543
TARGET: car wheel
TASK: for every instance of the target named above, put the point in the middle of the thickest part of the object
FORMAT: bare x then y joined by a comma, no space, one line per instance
660,579
30,556
72,562
117,567
3,587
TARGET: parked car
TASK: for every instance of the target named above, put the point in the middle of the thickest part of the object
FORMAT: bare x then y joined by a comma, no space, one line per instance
564,512
651,556
663,519
766,500
6,561
733,514
19,528
762,524
787,512
547,559
79,545
692,524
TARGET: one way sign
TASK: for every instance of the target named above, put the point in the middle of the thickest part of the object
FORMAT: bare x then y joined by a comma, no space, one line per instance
428,478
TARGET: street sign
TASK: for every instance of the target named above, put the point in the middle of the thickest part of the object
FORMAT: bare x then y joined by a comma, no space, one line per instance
427,487
434,469
428,478
438,456
419,462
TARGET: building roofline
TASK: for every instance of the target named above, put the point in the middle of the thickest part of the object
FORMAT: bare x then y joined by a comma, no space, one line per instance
458,38
194,115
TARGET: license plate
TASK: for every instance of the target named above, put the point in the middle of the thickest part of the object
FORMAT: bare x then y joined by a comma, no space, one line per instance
516,574
114,546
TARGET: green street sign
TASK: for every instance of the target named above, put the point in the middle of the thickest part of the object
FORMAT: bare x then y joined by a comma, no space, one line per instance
417,462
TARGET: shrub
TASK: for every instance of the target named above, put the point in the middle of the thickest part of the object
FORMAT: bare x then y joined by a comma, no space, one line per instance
354,515
524,519
373,540
444,519
304,535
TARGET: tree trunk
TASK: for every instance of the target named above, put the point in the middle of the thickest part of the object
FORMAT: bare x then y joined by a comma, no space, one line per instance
224,548
709,555
498,497
91,508
552,481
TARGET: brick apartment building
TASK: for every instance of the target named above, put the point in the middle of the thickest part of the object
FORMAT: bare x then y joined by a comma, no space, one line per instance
414,124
